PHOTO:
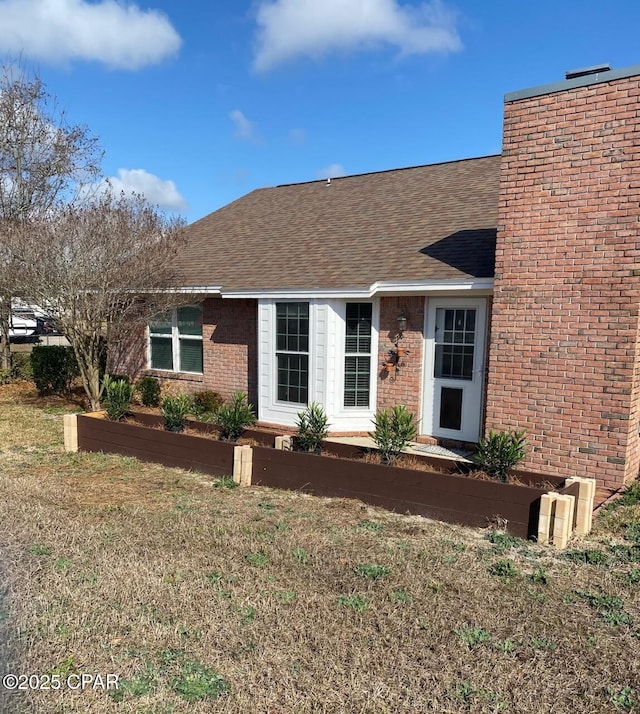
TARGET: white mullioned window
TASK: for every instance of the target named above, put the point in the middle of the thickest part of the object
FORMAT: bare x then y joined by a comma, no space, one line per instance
292,352
357,354
175,340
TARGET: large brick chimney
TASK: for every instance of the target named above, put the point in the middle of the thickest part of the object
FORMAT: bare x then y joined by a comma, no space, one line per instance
564,357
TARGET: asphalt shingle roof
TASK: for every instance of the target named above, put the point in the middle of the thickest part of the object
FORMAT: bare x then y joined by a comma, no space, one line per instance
428,222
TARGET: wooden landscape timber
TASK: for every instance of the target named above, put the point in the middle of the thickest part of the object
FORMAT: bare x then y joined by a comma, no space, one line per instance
544,507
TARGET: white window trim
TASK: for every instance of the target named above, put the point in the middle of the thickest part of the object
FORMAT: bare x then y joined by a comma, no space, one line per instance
270,409
298,405
175,344
327,330
372,354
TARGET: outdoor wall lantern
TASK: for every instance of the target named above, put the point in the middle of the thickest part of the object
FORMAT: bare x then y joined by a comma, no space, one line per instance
402,321
397,355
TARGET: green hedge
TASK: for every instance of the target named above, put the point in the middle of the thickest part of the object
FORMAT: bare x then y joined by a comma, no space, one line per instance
54,368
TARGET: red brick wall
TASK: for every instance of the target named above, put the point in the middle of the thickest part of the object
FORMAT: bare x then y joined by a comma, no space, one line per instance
229,335
229,344
407,387
129,354
564,353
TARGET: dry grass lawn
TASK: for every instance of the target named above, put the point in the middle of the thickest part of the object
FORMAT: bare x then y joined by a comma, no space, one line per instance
209,599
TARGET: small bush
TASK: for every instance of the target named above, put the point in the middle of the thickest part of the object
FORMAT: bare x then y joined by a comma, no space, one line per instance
393,430
116,397
149,390
54,369
21,367
500,451
175,411
234,418
313,427
206,402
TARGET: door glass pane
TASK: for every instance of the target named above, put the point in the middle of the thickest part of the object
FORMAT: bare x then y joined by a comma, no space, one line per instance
454,343
450,408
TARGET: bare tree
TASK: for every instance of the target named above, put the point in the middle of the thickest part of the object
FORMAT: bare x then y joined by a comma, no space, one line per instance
44,160
102,269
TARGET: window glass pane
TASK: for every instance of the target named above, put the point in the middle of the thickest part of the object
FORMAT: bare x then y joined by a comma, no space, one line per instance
293,378
190,320
358,327
357,376
450,408
191,356
292,326
161,353
161,324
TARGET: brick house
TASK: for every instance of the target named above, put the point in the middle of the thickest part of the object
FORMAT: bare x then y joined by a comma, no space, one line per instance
495,292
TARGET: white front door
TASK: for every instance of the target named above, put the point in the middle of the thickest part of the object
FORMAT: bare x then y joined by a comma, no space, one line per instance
454,367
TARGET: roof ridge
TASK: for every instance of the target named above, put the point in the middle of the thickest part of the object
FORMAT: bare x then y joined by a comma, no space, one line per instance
382,171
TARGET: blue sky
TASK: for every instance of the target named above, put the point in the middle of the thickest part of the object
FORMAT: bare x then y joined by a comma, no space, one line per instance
197,103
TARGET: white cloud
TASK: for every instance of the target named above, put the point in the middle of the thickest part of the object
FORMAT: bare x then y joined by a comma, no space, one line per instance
297,136
245,129
331,171
292,28
159,192
118,34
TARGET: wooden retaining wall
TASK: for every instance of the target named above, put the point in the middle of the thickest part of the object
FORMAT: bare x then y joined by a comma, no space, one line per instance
445,497
156,445
545,507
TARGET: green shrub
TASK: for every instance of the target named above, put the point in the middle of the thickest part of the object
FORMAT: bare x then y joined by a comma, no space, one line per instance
149,391
21,367
206,402
116,397
500,451
394,429
54,368
234,418
313,427
175,411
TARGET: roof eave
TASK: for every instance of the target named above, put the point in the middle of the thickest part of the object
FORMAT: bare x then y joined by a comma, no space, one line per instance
386,287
